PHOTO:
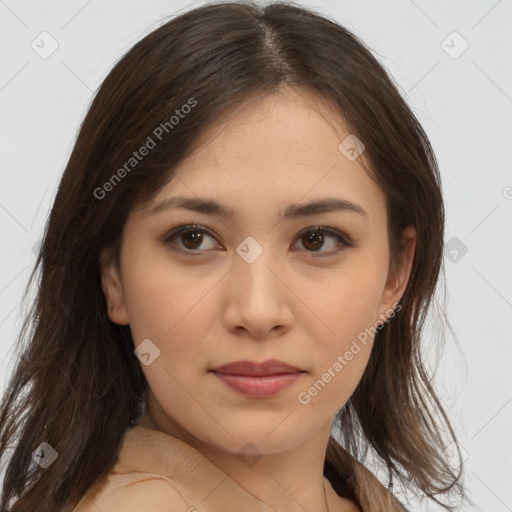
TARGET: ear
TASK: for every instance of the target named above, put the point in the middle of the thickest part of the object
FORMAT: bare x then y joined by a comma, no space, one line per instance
397,280
112,289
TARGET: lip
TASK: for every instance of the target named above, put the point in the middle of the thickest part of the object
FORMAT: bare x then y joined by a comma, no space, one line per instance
253,368
259,380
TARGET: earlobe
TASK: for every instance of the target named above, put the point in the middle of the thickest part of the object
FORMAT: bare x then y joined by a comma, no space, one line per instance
397,282
113,292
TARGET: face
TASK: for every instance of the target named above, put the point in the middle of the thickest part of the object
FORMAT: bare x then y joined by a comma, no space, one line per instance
272,280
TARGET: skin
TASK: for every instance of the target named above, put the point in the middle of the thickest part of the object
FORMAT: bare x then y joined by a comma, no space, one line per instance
215,308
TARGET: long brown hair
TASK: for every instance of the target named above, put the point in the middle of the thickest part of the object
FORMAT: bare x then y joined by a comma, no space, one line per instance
77,384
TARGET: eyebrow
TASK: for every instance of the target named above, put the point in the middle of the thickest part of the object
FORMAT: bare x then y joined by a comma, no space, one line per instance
293,211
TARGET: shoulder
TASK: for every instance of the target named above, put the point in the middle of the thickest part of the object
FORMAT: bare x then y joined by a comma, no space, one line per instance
153,494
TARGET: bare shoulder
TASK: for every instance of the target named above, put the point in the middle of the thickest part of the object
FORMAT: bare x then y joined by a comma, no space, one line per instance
150,495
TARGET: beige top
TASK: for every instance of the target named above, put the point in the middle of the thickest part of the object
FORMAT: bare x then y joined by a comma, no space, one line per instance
156,472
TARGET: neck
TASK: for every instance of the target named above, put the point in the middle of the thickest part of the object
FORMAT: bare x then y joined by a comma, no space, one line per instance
290,481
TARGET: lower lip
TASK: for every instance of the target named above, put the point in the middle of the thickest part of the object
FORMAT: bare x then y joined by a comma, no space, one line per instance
258,387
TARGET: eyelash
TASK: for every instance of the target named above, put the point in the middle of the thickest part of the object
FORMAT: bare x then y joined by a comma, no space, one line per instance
196,228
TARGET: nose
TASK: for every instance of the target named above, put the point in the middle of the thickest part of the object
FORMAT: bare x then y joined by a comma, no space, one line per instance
258,301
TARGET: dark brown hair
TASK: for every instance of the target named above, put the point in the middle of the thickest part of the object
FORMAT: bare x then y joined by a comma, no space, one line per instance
77,384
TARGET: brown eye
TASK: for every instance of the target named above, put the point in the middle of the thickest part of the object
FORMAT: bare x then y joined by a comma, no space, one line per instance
316,238
191,238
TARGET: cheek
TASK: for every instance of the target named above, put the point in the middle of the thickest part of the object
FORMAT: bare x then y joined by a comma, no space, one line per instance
340,357
170,307
347,307
343,303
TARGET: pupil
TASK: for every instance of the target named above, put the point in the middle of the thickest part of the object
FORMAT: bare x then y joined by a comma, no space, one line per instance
315,235
195,237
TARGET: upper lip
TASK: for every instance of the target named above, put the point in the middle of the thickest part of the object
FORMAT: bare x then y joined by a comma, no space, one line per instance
268,367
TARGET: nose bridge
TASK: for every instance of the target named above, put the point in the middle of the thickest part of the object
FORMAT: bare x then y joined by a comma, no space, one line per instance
257,297
256,267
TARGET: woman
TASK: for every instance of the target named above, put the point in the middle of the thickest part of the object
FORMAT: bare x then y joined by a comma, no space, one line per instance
240,257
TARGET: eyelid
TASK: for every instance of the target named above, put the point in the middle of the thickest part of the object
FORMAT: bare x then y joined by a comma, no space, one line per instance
343,239
175,232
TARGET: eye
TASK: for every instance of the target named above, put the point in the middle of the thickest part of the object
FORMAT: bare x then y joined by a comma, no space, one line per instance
315,237
192,236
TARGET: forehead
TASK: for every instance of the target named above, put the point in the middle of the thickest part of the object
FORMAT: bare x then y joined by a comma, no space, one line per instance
273,151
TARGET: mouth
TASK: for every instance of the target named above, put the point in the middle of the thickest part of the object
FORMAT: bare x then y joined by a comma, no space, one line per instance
258,380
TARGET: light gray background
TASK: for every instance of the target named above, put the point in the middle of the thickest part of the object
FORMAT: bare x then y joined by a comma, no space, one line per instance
463,101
